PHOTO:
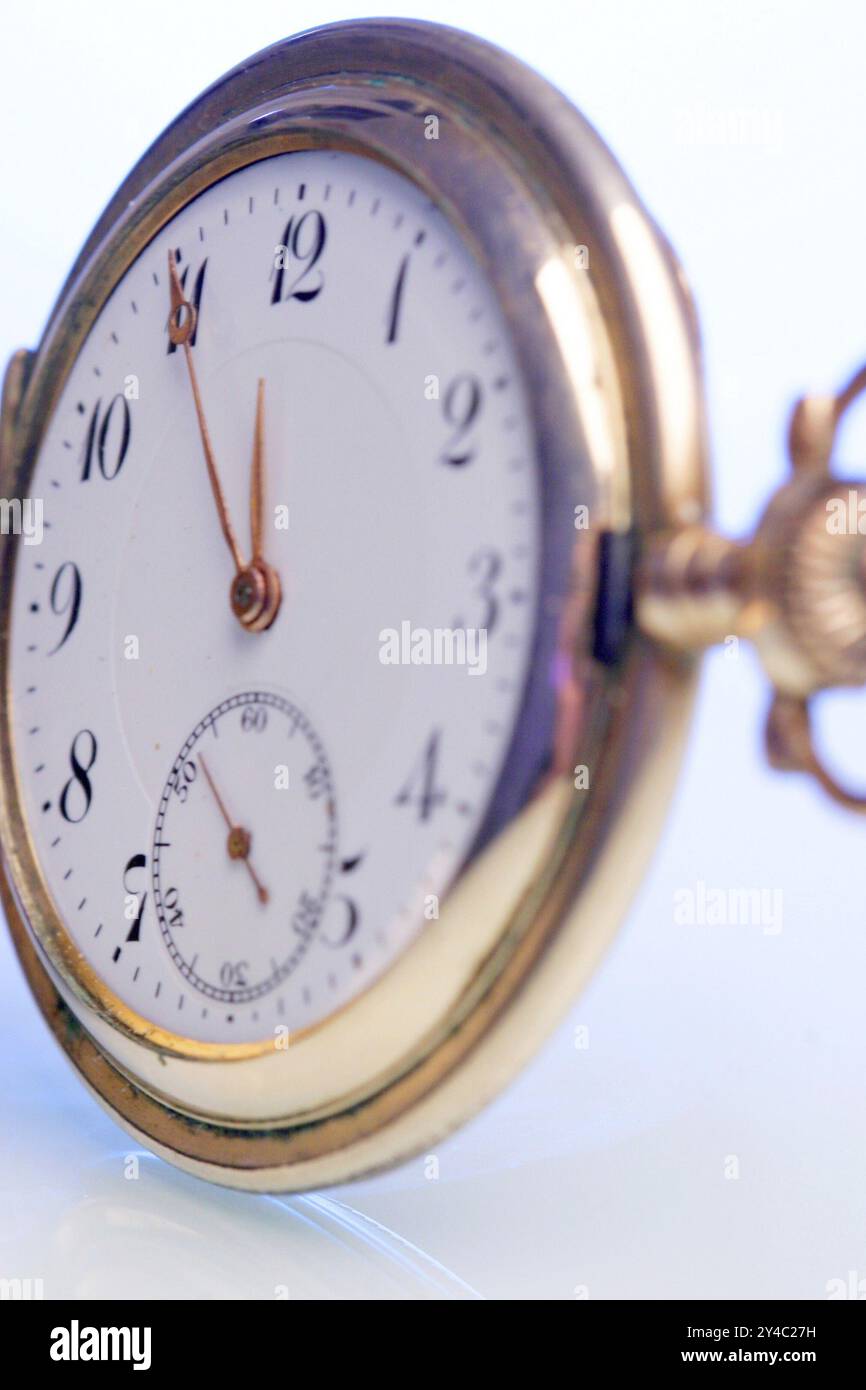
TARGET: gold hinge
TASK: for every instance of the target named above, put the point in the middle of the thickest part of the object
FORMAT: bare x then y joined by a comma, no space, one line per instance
14,383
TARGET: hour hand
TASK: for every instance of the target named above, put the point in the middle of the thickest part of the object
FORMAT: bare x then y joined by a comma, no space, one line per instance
260,578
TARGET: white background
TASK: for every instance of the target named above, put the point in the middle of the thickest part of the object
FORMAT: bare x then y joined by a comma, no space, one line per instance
603,1170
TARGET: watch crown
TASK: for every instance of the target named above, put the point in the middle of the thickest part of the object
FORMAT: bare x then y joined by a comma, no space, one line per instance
797,588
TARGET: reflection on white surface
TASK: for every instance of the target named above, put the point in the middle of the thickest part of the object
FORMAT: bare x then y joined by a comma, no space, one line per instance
173,1239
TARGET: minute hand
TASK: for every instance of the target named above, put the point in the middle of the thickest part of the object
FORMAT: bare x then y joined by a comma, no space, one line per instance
181,325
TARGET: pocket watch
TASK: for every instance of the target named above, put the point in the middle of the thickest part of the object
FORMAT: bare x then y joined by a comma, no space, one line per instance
351,619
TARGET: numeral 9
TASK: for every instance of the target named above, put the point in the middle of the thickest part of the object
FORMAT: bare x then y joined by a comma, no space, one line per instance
65,597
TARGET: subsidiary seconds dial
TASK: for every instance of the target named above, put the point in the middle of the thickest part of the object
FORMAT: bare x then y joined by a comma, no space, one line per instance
244,847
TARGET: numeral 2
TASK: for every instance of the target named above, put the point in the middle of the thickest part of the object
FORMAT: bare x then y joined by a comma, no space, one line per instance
461,405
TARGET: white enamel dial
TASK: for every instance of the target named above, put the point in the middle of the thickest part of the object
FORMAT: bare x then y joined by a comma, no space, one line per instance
402,499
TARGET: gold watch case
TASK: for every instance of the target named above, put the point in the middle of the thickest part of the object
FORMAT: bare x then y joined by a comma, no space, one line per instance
606,337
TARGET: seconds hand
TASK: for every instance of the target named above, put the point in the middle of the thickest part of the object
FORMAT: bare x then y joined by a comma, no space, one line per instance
239,840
